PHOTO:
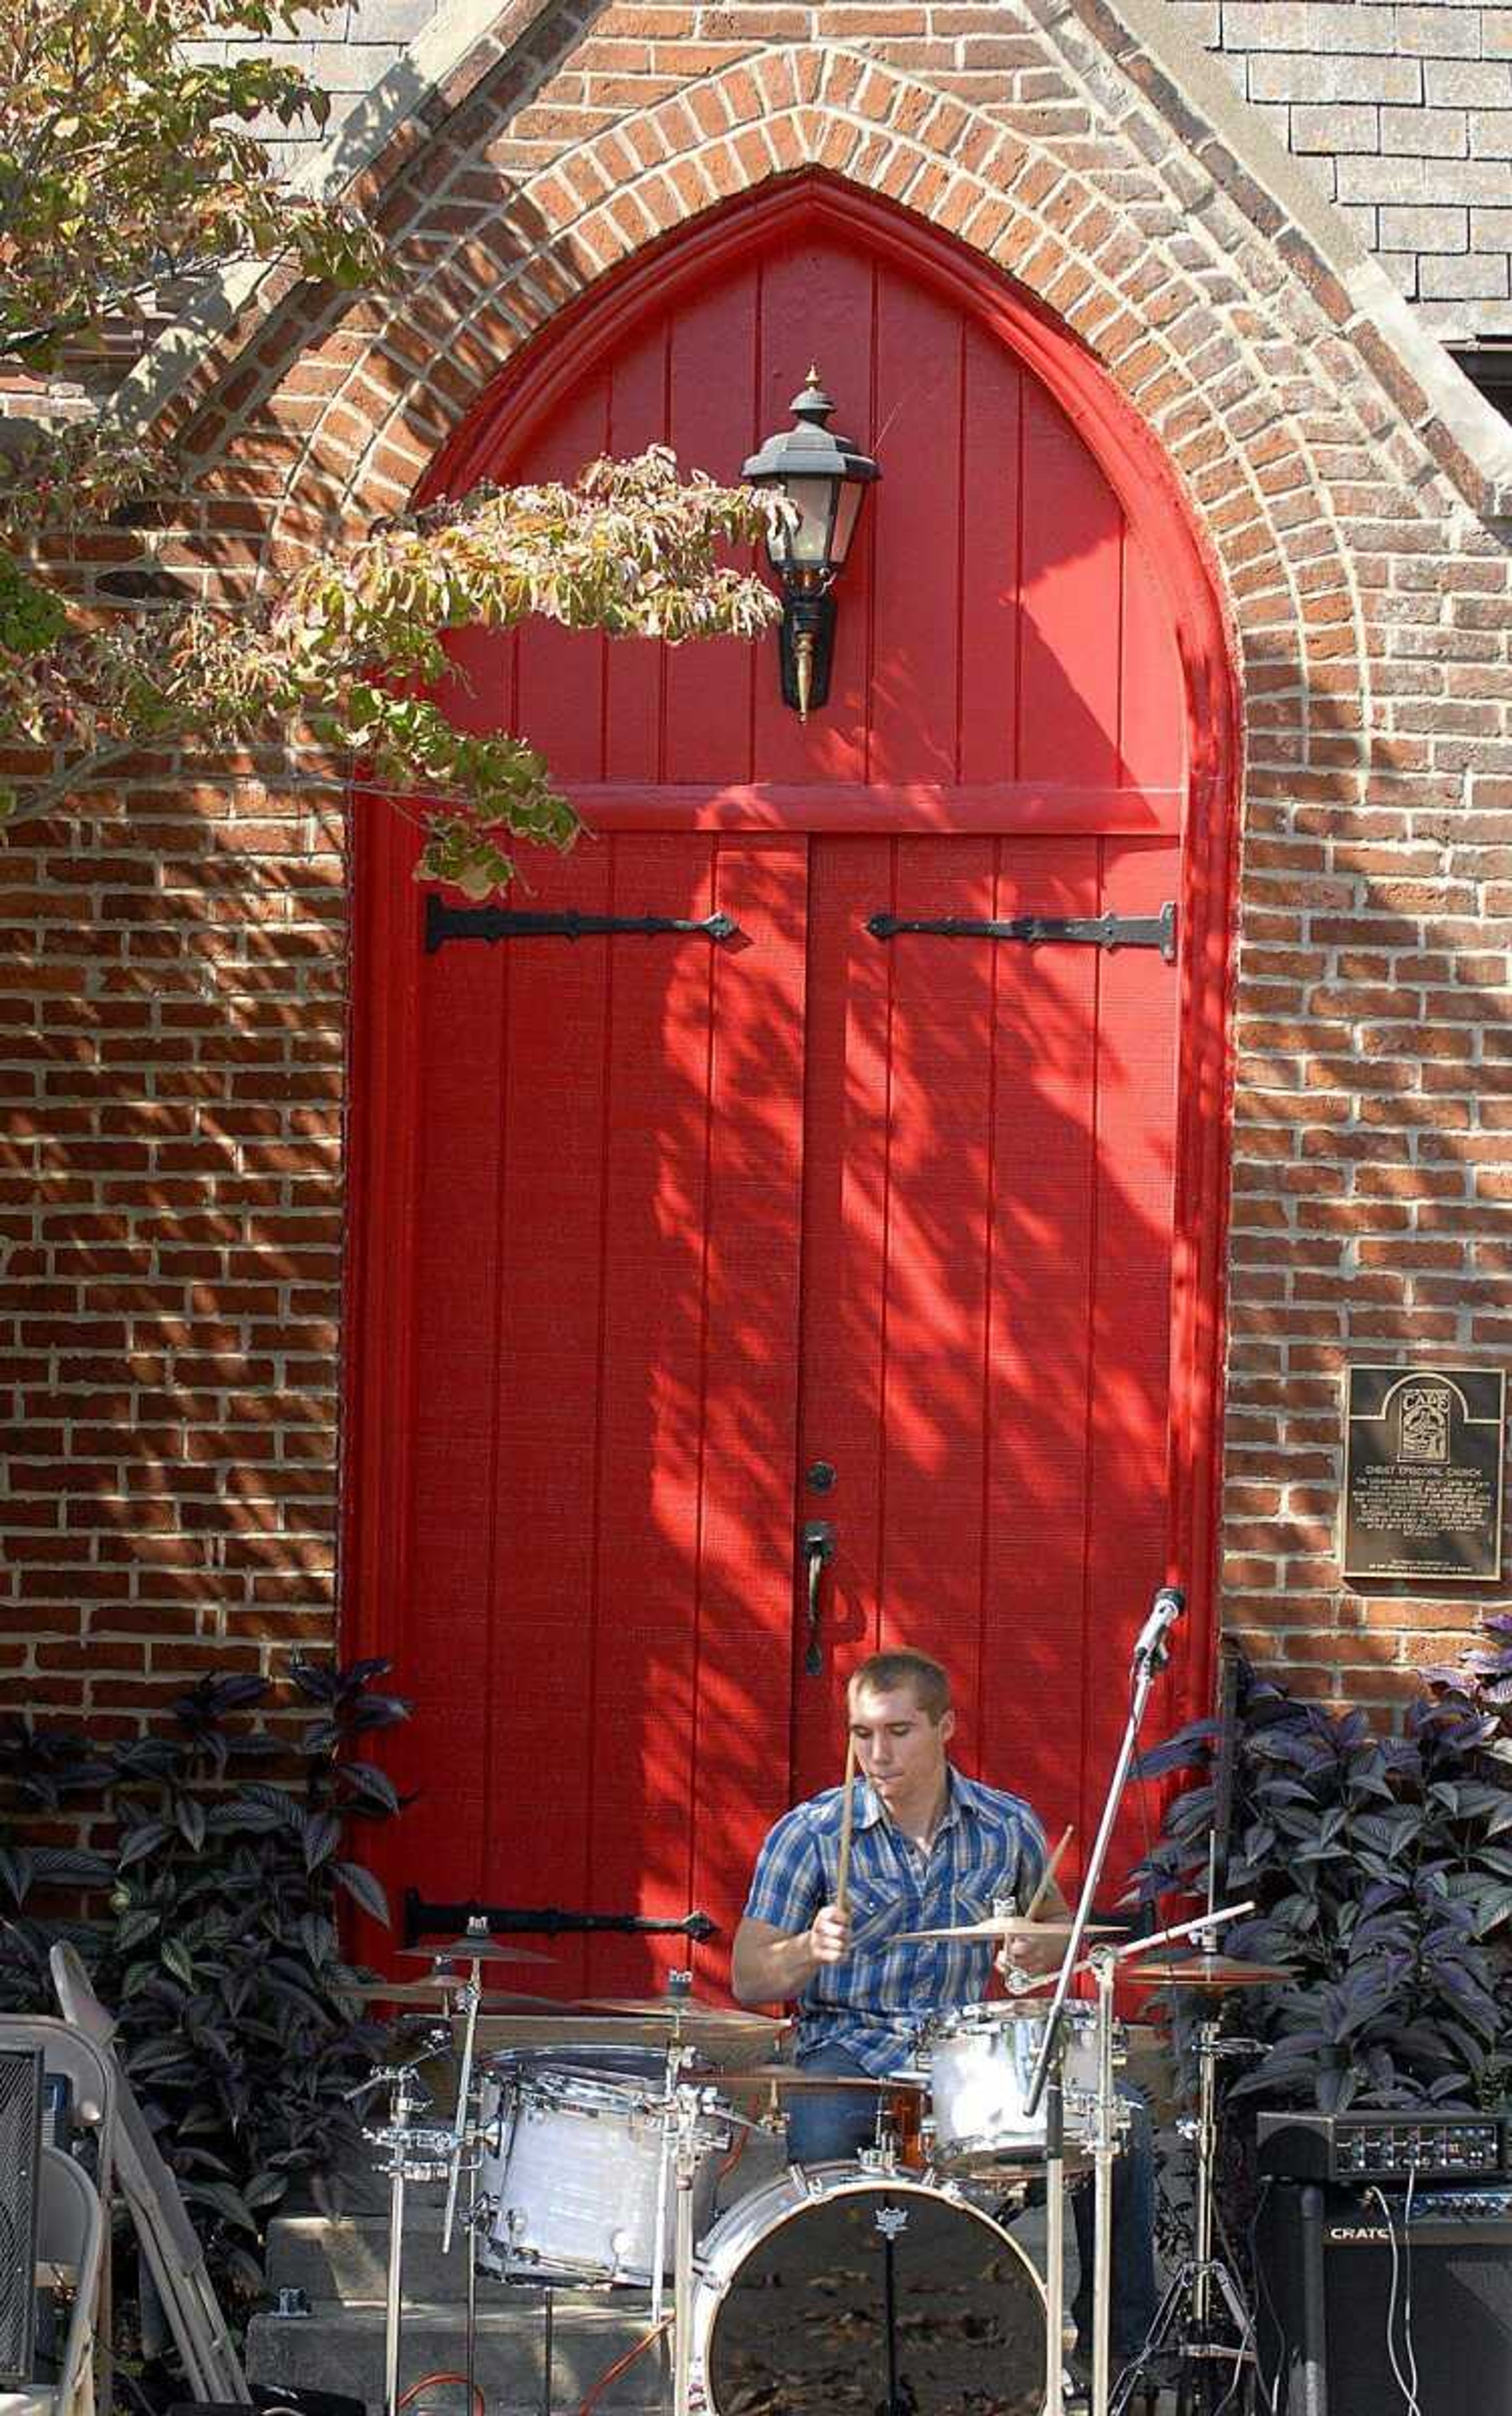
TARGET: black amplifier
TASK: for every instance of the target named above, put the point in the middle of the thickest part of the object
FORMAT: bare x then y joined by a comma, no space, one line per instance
1364,2287
1413,2146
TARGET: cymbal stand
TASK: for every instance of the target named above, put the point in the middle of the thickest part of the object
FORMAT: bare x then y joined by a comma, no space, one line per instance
1185,2318
1054,2240
1110,2120
689,2142
700,2123
678,2055
415,2154
464,2143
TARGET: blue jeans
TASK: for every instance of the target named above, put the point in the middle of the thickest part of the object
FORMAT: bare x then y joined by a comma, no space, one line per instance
824,2129
832,2129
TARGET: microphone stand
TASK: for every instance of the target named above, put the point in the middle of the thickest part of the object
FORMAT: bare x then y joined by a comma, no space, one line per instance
1151,1654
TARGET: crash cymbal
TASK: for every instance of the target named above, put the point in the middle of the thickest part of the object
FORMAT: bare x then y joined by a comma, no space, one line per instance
1012,1925
1205,1971
792,2076
473,1950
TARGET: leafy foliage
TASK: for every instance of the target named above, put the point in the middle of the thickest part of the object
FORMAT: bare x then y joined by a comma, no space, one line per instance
209,1925
128,160
129,163
1382,1870
352,646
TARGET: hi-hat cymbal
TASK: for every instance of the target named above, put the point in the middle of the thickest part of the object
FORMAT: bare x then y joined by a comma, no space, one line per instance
1011,1925
1205,1971
440,1988
682,2012
473,1950
792,2076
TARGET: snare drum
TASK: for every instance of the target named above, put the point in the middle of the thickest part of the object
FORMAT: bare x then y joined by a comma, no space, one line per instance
980,2061
576,2162
830,2290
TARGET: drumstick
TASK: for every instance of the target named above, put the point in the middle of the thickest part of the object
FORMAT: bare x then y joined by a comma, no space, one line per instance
843,1874
1051,1869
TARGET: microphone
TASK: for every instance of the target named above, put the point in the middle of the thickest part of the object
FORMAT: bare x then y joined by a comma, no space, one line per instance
1151,1651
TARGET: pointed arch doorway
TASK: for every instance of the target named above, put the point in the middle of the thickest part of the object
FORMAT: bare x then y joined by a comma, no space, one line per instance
665,1250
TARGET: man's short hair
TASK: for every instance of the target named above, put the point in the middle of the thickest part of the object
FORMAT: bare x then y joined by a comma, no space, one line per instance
881,1672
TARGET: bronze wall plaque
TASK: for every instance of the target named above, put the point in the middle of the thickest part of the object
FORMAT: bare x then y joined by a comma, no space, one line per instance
1424,1454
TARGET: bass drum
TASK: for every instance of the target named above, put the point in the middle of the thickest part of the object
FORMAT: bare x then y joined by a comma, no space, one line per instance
837,2291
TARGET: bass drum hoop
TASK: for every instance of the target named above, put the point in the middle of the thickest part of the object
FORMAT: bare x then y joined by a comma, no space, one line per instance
767,2211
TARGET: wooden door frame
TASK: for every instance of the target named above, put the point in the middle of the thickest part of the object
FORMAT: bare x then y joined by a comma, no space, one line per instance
384,1071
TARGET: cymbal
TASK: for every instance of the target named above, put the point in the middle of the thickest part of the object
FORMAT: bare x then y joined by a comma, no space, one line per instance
439,1988
567,2029
1012,1925
473,1950
792,2076
682,2012
1206,1972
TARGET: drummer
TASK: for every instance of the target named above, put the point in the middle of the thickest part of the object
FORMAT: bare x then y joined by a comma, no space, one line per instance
930,1848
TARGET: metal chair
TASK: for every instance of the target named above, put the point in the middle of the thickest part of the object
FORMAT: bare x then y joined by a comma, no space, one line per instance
170,2242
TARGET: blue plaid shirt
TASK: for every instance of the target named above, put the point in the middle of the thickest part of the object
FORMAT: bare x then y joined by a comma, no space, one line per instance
988,1846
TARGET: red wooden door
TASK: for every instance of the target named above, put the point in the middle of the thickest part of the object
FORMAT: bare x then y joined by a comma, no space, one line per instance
650,1227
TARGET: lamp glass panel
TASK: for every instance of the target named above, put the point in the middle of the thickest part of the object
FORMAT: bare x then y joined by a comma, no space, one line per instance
852,495
810,541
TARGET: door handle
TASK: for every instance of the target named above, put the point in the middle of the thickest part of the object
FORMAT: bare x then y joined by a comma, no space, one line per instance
817,1544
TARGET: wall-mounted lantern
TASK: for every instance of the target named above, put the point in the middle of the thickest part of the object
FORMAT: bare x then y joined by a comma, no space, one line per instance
825,476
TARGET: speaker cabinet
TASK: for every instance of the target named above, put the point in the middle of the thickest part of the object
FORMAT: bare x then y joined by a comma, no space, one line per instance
21,2143
1326,2298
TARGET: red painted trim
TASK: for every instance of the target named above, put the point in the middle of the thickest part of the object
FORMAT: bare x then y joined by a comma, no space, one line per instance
919,806
384,1062
663,276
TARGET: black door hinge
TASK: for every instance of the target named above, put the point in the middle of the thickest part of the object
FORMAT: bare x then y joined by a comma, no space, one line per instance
444,922
1033,930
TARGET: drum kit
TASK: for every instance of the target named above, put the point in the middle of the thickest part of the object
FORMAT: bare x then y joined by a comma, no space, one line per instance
890,2285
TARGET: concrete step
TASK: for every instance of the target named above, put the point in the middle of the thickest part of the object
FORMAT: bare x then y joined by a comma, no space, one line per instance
342,2348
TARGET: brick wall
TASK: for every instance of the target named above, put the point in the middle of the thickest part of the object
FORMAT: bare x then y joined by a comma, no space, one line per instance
174,1207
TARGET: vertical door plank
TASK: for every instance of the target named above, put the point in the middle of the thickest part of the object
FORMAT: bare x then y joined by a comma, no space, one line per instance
915,544
739,1768
551,1112
559,679
816,309
644,1505
1071,599
1130,1308
634,671
1034,1441
938,1176
1153,735
846,1141
988,504
711,373
444,1662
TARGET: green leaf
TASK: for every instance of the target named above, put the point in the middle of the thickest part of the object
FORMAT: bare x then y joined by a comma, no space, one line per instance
366,1890
175,1958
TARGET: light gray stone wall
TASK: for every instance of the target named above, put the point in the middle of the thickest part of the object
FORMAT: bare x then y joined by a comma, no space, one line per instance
1402,112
